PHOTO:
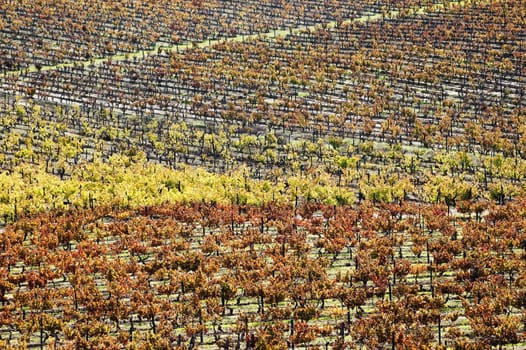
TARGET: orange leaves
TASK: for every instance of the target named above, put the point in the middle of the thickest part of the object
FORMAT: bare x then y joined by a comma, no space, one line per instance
137,267
352,297
303,333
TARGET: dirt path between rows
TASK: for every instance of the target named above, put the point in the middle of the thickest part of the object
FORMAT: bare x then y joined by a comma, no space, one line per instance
209,42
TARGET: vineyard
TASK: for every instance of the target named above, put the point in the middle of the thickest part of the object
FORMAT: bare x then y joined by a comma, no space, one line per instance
266,276
263,174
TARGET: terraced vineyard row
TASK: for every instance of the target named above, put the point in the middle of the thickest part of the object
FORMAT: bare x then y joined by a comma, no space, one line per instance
350,170
38,34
